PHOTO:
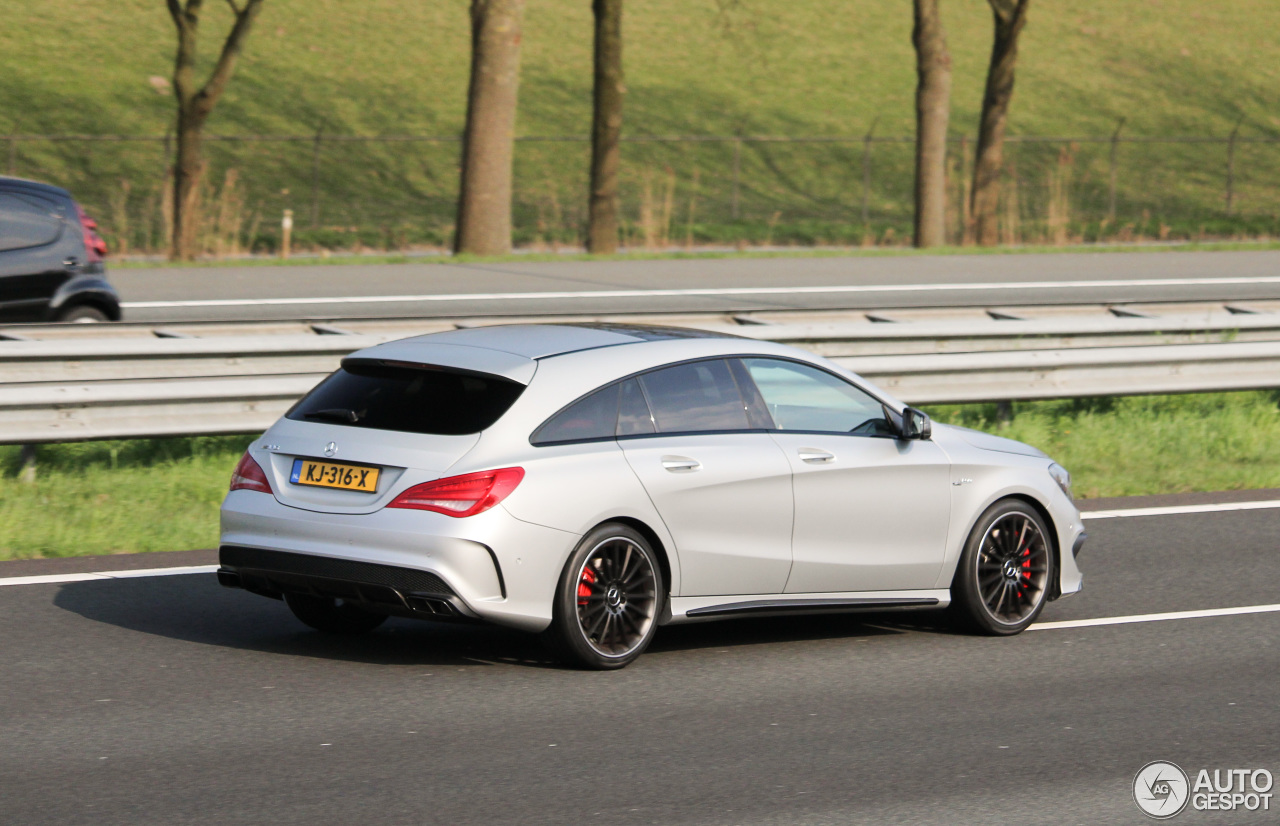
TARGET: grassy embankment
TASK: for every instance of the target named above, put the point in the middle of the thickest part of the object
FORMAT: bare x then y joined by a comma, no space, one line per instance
789,253
756,67
163,494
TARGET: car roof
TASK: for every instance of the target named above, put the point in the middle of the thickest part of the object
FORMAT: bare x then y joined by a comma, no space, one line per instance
538,341
513,350
33,186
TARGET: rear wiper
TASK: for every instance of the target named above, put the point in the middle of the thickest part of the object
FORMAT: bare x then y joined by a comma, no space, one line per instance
336,414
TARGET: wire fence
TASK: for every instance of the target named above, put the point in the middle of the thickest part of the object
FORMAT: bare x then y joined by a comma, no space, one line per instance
399,191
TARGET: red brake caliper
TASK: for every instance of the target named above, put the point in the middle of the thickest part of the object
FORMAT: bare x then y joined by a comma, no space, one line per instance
1026,566
584,590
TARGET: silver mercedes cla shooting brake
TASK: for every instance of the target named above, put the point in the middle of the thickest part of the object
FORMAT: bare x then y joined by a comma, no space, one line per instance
593,482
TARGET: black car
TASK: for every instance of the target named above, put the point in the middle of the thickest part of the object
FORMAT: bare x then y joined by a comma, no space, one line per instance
51,257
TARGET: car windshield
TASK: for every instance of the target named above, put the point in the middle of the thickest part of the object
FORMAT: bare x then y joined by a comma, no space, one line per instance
410,399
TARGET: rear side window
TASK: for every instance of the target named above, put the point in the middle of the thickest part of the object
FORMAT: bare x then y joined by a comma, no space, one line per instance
591,417
698,396
634,418
408,399
616,410
27,221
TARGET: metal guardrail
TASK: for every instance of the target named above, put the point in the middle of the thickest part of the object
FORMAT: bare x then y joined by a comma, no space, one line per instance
78,388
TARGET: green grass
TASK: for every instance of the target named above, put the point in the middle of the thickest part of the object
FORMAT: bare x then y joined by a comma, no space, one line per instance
726,67
116,497
643,255
163,494
1138,445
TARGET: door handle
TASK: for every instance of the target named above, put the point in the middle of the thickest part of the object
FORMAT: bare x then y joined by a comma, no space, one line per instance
71,263
814,456
680,464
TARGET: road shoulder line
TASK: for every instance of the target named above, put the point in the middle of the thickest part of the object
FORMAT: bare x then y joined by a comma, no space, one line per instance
87,577
1172,615
1172,510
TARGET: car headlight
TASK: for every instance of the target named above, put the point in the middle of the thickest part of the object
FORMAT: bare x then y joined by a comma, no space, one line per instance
1063,478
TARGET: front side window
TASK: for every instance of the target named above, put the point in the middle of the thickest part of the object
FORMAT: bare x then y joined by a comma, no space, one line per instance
429,400
800,397
694,397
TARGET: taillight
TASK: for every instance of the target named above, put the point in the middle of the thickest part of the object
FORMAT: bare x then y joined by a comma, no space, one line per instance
94,246
248,475
464,495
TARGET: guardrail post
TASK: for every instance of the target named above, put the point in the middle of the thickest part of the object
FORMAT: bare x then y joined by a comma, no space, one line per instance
1231,167
27,464
1111,191
1004,414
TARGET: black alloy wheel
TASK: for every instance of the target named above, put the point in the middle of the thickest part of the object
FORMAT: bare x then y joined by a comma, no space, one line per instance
608,601
1002,582
333,616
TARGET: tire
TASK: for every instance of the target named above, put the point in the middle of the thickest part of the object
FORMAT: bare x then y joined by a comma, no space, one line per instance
332,616
608,600
83,314
1002,582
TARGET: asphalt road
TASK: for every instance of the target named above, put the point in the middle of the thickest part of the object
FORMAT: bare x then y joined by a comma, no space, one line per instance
170,700
699,285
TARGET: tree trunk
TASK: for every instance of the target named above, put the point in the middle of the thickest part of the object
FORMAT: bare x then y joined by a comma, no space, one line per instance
188,173
606,129
933,111
194,108
484,198
1010,17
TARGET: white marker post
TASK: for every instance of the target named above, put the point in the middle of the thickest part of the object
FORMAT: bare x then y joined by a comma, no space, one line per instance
286,232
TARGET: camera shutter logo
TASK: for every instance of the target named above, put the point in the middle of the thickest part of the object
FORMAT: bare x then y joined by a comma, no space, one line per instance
1161,789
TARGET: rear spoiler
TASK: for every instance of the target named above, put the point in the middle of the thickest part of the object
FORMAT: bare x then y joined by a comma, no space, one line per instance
417,354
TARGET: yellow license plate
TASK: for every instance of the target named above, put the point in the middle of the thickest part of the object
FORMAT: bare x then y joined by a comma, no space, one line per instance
333,475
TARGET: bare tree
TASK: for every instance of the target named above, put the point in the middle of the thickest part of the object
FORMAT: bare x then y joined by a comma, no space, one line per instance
488,146
606,128
933,111
1010,17
195,104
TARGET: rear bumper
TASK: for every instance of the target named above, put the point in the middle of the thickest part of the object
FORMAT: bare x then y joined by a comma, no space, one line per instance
490,566
384,588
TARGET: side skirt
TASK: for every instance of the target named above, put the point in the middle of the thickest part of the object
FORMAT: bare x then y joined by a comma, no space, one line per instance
695,609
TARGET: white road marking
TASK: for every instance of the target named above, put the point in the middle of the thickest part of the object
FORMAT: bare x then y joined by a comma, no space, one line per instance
55,578
1172,615
1178,509
706,291
1110,514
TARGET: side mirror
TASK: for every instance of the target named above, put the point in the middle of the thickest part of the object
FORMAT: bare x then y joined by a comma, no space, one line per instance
894,419
916,424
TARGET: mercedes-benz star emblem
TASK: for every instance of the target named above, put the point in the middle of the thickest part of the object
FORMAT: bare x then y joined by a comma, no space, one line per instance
330,448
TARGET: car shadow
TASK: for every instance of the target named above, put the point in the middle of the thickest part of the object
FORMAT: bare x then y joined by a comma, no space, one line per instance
195,609
783,629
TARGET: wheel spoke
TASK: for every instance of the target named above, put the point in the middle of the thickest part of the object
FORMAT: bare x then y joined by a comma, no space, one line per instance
626,563
595,627
631,621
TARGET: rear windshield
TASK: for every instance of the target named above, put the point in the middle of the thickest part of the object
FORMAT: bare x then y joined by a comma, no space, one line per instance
408,399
